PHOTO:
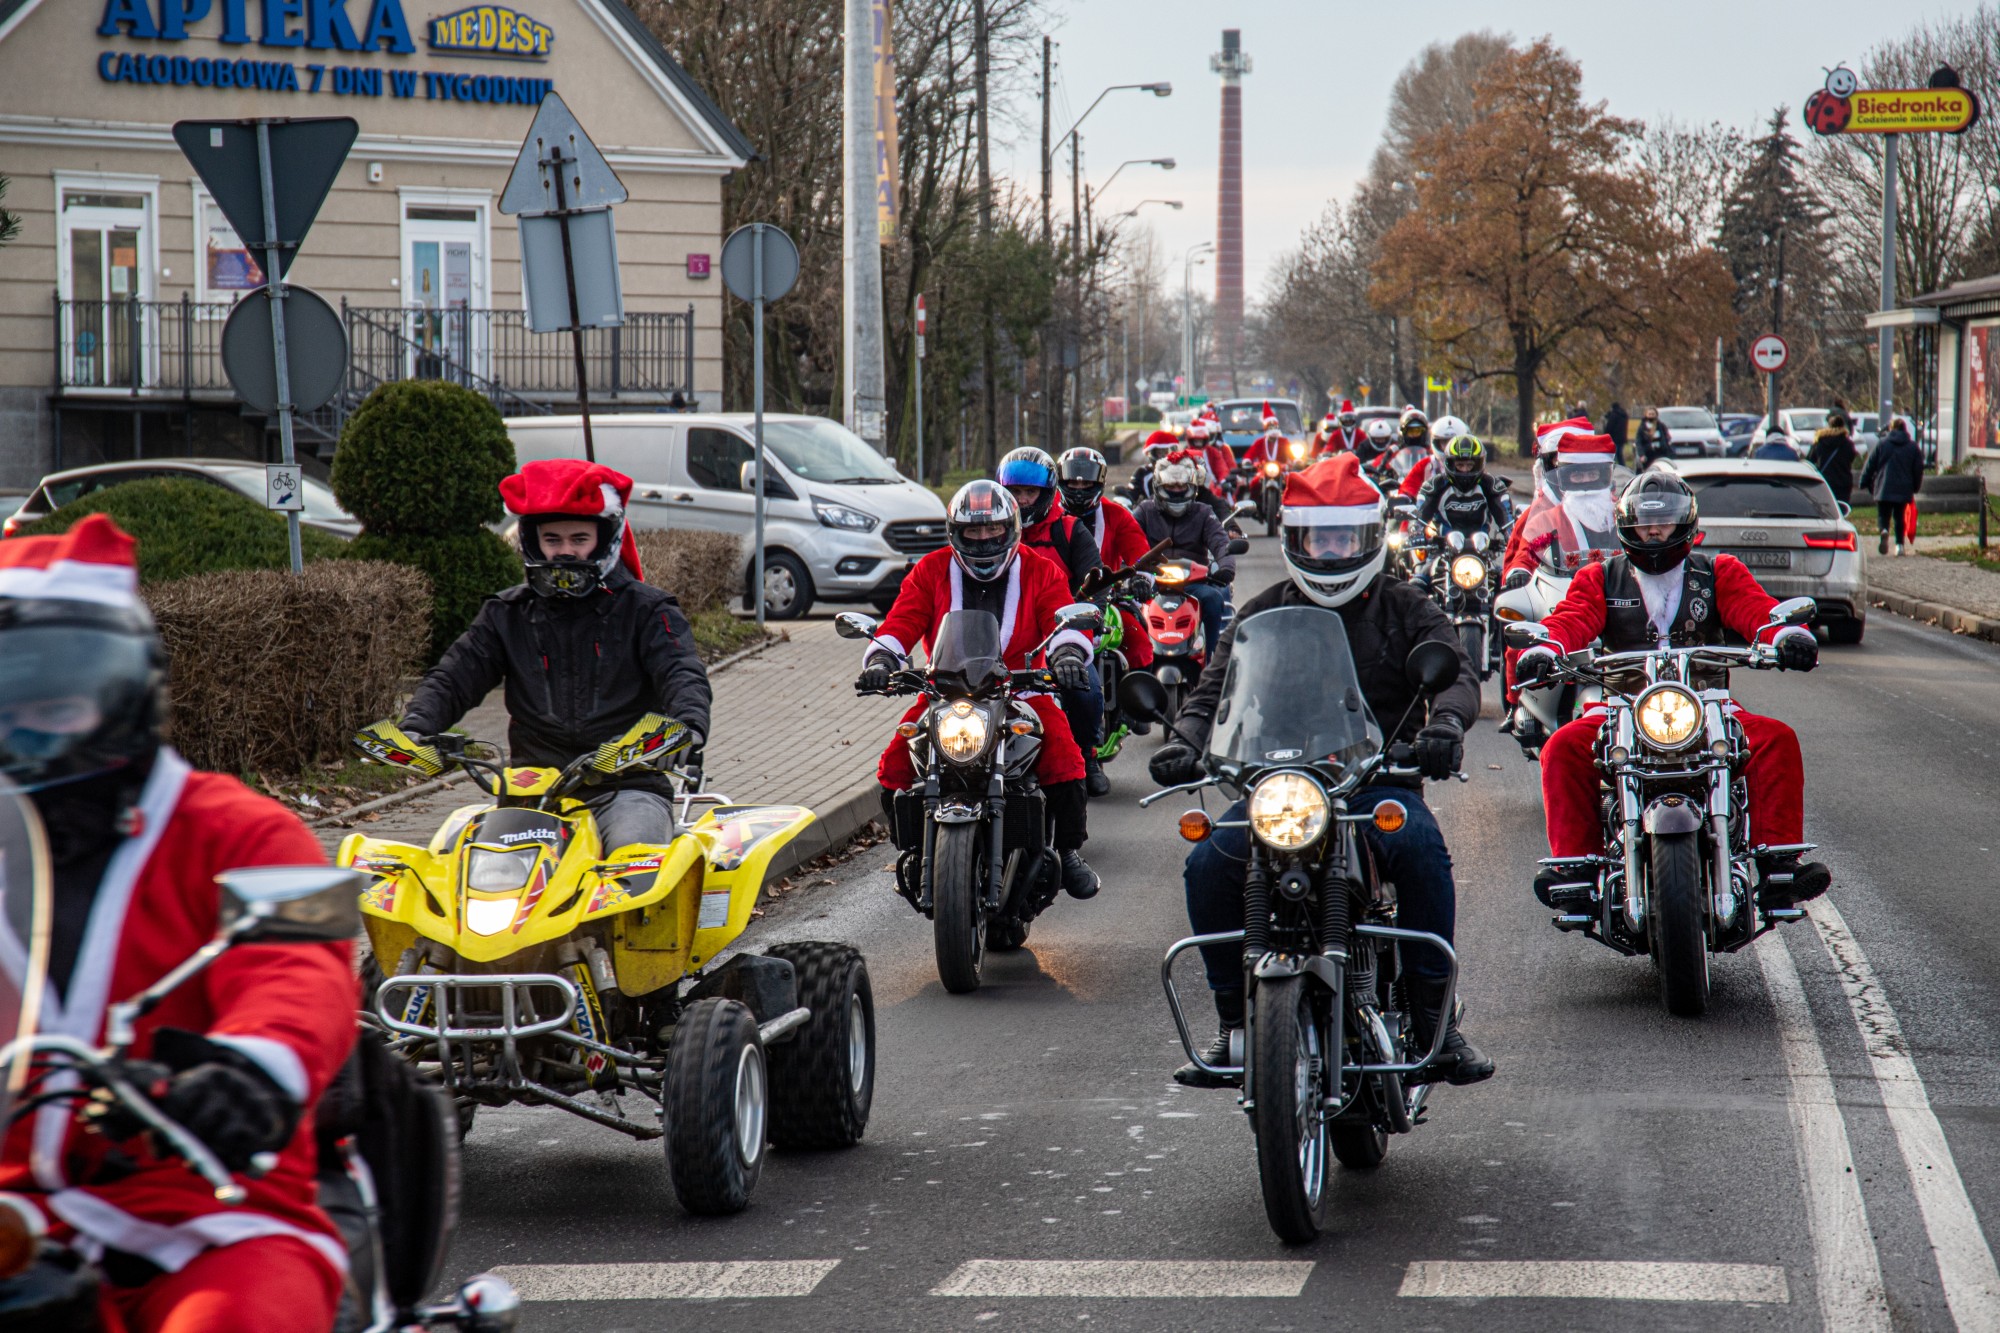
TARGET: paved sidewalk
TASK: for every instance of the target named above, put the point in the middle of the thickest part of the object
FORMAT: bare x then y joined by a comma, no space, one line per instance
1957,596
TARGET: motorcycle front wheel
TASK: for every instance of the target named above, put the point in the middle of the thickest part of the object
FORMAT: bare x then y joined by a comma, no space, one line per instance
1474,639
1680,941
1288,1067
957,907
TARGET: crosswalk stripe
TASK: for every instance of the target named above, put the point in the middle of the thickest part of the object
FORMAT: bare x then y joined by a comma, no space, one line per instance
1599,1280
1124,1279
666,1282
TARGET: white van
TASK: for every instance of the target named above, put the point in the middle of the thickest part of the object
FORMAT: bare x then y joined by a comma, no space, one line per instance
841,524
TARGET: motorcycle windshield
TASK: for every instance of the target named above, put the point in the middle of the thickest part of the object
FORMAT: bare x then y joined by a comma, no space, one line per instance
24,933
966,655
1290,694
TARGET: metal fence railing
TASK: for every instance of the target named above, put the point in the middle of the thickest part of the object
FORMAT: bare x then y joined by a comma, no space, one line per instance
159,348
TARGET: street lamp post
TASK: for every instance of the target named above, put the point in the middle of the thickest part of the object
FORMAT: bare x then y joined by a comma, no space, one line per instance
1187,315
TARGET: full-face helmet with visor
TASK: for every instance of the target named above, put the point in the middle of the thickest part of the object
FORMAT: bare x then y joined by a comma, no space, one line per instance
1030,474
1658,518
554,493
1332,524
983,525
1080,473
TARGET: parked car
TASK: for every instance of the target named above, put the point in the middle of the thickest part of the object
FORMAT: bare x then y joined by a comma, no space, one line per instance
1781,520
57,489
840,523
1800,425
1737,429
1691,432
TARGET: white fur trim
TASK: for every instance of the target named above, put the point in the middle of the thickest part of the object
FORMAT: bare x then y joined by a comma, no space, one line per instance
275,1058
74,580
1013,598
613,506
889,641
1330,516
107,1226
1073,637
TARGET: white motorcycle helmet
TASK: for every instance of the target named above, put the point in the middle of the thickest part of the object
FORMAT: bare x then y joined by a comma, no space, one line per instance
1333,531
1443,431
1174,486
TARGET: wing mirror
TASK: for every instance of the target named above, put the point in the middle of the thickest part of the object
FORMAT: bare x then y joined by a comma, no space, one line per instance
1244,509
1432,667
1239,545
291,904
746,476
1524,634
1080,616
1794,611
1142,696
1455,540
853,624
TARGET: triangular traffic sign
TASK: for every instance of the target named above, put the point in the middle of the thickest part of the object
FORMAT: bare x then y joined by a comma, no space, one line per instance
588,180
306,155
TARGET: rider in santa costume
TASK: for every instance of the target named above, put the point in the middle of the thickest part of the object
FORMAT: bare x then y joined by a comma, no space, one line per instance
238,1056
1269,446
1341,432
986,568
1121,542
1573,496
1659,592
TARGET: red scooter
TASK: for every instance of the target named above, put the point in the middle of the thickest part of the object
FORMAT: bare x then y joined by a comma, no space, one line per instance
1173,621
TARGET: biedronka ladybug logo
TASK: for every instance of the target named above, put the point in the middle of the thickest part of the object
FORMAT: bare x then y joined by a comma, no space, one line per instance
1844,107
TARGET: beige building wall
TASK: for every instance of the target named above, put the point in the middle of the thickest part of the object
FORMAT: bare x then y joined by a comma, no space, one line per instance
59,117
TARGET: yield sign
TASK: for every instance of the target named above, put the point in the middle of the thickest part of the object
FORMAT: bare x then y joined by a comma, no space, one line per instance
1769,353
305,157
588,180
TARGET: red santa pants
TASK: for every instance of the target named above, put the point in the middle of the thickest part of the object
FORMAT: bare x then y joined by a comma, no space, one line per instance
1059,761
1776,775
253,1286
1137,644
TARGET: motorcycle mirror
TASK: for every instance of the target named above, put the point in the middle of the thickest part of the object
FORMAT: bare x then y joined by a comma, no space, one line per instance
1480,541
1432,667
1080,615
291,904
1244,509
1504,483
1455,540
1238,545
1524,634
1142,696
1794,611
854,625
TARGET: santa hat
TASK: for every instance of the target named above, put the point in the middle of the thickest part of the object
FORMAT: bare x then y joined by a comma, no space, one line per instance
92,562
1584,449
1198,429
1550,438
1346,405
1270,418
1331,492
573,488
1163,437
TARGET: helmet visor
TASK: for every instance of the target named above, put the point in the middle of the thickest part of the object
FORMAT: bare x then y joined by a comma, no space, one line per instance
1332,548
70,697
1655,515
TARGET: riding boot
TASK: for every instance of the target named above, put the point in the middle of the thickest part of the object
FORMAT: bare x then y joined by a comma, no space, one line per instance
1459,1062
1094,780
1225,1050
1788,881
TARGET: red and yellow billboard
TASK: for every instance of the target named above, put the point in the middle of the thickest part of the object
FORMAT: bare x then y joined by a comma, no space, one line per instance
1843,107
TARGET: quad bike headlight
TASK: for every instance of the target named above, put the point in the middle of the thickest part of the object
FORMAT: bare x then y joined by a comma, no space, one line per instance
496,871
961,732
1468,572
1288,811
1669,716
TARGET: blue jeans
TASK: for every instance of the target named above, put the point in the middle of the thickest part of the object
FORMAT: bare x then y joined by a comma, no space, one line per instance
1085,710
1214,603
1414,858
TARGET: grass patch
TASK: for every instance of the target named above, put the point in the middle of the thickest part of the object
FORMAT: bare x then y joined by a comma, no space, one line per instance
1931,525
1988,560
718,632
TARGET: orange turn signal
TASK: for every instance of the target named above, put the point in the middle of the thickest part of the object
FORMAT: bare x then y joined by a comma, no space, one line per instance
1021,726
909,730
1195,826
1391,816
1507,613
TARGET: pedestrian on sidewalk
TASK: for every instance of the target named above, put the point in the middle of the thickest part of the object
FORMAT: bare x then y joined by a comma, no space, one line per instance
1654,440
1617,422
1833,454
1894,474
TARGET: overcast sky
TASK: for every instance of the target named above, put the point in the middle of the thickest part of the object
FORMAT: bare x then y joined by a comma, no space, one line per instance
1313,105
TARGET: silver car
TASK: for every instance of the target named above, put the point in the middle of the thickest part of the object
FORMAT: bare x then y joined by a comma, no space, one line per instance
1780,519
1692,432
57,489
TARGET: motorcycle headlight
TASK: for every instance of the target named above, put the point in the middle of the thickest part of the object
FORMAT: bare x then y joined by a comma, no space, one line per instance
1272,469
961,732
1289,810
1298,449
1468,572
1669,716
497,871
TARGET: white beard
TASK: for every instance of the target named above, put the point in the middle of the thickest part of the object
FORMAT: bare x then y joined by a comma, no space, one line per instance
1593,511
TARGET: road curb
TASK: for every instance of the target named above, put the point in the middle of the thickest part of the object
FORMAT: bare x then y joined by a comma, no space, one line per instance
834,827
1935,613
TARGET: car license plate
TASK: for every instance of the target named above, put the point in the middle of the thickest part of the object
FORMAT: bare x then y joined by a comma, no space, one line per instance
1766,559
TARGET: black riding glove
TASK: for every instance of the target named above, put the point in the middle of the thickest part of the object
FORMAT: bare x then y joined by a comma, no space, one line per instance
1174,764
1440,748
1221,576
1797,652
220,1095
1516,578
874,678
1070,667
1534,665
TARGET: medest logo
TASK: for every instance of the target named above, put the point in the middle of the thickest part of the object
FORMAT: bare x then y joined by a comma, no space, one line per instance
493,31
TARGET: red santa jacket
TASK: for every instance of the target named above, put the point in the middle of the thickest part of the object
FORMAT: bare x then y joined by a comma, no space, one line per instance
1414,482
289,1007
1221,461
1037,588
1120,539
1742,604
1341,441
1264,449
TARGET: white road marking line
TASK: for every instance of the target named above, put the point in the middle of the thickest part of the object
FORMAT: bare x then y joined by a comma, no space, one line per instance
1125,1279
1846,1268
1965,1261
666,1282
1597,1280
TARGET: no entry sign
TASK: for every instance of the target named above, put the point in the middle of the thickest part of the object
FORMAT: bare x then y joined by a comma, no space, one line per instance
1769,353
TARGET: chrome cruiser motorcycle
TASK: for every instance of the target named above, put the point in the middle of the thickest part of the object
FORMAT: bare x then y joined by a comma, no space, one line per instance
1328,1035
973,833
1677,880
1464,578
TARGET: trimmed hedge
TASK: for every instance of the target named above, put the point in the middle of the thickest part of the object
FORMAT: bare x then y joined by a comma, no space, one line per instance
463,570
422,458
271,671
185,528
702,569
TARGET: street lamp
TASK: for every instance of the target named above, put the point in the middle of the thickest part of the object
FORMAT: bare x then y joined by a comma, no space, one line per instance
1164,163
1174,204
1187,312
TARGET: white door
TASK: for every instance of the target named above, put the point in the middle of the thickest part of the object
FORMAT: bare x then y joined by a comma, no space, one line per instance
444,284
105,275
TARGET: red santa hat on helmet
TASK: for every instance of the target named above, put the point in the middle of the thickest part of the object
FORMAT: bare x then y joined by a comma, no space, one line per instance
1198,428
1549,438
1270,419
93,562
1584,448
558,488
1331,492
1162,437
1346,405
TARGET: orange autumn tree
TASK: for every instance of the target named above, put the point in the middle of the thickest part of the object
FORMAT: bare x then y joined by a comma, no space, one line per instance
1536,252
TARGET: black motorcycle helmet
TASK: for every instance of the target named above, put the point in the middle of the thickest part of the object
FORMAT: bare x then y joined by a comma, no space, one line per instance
1029,468
1465,461
1080,474
82,690
1657,521
983,525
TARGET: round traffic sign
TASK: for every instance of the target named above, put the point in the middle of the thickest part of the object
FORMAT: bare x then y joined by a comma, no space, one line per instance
1769,353
315,350
740,254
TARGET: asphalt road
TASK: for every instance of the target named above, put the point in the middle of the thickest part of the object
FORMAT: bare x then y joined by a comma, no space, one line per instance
1816,1152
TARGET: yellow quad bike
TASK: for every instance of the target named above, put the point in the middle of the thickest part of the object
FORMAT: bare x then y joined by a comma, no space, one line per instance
521,964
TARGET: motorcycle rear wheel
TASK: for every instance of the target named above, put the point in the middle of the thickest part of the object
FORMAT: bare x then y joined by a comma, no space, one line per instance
1287,1067
1680,942
957,907
718,1107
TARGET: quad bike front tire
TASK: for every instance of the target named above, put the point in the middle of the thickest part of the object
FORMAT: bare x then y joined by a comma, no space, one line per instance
718,1107
823,1075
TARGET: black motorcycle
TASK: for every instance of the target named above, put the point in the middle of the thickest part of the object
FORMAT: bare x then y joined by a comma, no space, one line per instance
972,835
1328,1039
1464,579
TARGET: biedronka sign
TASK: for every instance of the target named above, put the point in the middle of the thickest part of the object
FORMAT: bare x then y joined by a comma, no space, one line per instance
1844,107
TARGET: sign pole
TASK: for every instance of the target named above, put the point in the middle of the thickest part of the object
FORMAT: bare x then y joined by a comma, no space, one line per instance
917,371
757,392
274,290
575,319
1885,338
